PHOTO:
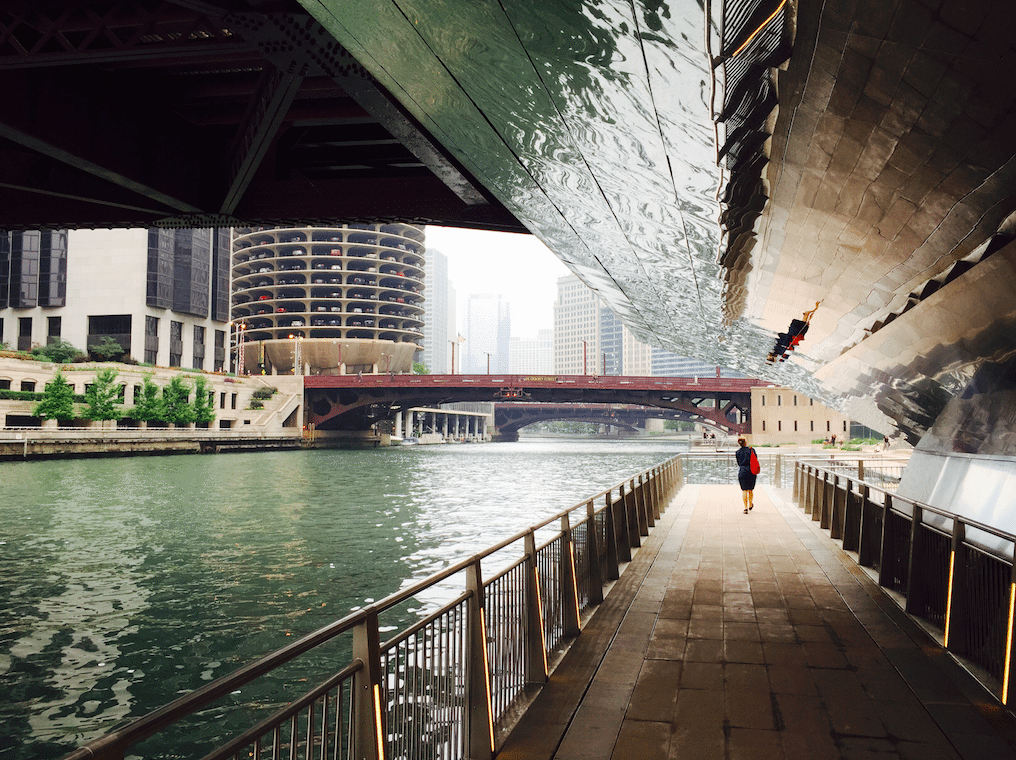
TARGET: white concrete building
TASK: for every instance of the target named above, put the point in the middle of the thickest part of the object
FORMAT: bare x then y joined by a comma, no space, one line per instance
532,356
161,294
438,315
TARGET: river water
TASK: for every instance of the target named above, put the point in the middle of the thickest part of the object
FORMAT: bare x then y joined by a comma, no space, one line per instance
127,582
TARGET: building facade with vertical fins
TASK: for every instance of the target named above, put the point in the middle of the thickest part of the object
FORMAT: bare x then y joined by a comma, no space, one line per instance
161,294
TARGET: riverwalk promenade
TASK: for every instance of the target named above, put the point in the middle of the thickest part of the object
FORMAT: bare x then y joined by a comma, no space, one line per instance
735,636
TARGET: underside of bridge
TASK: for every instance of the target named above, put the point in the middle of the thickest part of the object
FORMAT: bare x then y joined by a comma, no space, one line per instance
863,153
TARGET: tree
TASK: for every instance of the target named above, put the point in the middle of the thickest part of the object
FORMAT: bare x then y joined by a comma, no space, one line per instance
59,352
175,405
106,349
204,403
57,400
420,369
146,406
101,396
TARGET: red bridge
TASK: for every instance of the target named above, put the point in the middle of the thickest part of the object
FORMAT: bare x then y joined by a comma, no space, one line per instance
355,402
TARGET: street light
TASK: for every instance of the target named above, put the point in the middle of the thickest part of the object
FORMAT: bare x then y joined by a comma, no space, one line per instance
241,369
488,361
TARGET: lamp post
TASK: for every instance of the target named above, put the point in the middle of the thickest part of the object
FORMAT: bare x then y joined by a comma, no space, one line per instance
584,369
241,369
488,361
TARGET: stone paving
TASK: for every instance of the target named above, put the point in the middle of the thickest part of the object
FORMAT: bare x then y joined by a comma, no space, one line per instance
754,636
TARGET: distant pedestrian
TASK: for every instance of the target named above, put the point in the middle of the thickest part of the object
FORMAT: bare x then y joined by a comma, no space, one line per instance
747,472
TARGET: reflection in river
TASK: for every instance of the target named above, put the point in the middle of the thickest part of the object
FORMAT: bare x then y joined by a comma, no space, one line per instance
128,582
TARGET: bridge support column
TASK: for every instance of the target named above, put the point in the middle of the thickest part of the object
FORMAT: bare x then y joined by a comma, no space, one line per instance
444,426
398,425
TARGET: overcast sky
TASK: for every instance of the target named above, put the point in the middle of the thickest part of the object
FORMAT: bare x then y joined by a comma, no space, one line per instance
519,267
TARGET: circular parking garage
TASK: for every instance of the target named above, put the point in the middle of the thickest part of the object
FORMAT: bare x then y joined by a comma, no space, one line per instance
328,300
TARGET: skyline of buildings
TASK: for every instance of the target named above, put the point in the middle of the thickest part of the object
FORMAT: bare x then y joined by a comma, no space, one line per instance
438,315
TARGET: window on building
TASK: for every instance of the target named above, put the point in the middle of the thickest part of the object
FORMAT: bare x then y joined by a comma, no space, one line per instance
175,330
827,426
151,325
795,426
53,325
795,399
763,426
222,400
813,426
779,425
5,384
779,400
24,334
763,401
199,347
175,343
811,402
844,426
232,402
28,385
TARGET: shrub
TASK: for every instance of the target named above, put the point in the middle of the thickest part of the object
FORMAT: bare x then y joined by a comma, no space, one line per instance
256,403
106,349
264,393
59,352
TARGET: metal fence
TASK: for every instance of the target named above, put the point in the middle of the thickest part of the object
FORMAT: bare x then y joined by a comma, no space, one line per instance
956,574
447,686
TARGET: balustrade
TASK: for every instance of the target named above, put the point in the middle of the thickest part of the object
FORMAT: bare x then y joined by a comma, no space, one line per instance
451,683
955,574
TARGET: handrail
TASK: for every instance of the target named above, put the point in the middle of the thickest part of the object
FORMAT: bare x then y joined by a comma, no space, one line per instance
956,573
925,507
113,744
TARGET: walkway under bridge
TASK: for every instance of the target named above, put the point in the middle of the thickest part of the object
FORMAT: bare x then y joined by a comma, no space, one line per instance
659,620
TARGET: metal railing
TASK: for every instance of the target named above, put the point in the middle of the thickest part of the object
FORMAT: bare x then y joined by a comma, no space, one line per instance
955,574
446,686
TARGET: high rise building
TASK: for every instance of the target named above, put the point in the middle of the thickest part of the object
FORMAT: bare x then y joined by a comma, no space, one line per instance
588,336
329,300
532,356
488,334
439,315
167,303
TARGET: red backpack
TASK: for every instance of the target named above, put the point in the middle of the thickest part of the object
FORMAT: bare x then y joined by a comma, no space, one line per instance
753,464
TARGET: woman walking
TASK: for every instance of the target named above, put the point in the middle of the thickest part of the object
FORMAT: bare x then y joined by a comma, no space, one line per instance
747,470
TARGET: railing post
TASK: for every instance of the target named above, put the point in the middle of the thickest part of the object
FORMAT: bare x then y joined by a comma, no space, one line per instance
646,518
778,471
536,649
631,517
651,497
569,582
915,588
956,602
860,469
368,734
661,501
479,713
797,483
839,507
593,554
863,539
823,515
619,518
883,549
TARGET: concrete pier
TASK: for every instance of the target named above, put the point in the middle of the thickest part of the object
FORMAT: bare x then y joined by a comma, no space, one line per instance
755,636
